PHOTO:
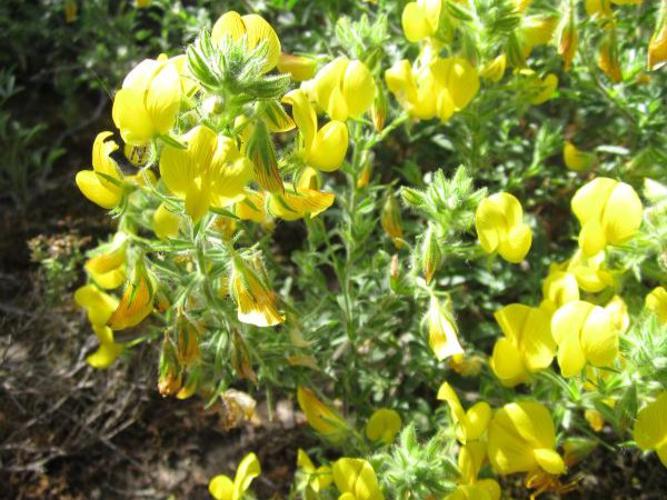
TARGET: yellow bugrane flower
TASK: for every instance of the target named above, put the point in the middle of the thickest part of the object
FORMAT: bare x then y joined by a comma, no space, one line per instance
320,417
102,185
254,29
147,104
107,268
470,461
500,227
420,19
576,159
221,487
256,301
650,431
356,480
433,87
442,332
342,88
135,304
322,148
610,213
536,30
383,425
300,68
527,346
494,70
584,333
656,302
471,424
522,438
590,272
541,89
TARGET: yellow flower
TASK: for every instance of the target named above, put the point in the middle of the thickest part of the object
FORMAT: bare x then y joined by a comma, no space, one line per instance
147,103
230,173
318,479
420,19
142,4
576,159
594,419
584,333
527,346
459,83
107,269
320,417
522,438
471,424
494,69
135,304
356,480
558,288
343,88
656,302
253,208
165,222
300,68
383,425
442,331
610,213
102,185
323,148
254,29
256,301
466,366
414,88
500,227
187,172
657,47
650,431
221,487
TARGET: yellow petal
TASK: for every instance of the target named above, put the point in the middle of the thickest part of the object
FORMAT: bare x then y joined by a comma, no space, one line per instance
515,244
135,304
304,462
163,98
105,355
442,334
320,417
507,363
537,343
415,24
550,461
98,305
329,147
300,68
131,116
650,430
592,238
230,24
589,201
304,116
248,469
356,476
93,187
257,31
622,214
221,488
165,222
656,301
358,88
599,339
327,88
383,425
459,77
477,420
296,205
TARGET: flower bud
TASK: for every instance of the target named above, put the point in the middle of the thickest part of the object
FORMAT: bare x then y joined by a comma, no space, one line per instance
576,449
431,254
607,59
366,171
323,419
578,160
165,222
136,302
568,39
391,222
442,331
494,69
71,11
379,109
